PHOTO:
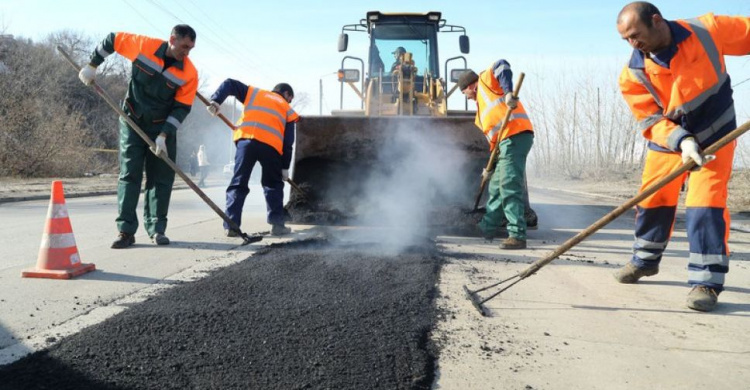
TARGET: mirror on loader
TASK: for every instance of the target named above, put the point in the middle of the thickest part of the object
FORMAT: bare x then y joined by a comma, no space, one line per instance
343,42
463,43
348,75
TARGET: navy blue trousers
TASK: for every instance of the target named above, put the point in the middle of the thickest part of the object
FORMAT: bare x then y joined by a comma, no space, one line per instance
249,152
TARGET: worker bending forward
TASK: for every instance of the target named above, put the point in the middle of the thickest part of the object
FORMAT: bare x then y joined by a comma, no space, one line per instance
678,89
160,95
265,135
492,90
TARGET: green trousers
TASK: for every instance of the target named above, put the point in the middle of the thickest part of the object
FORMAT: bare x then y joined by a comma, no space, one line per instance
135,157
506,187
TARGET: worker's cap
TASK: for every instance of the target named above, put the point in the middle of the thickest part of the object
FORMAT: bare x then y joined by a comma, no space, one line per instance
467,78
399,50
283,87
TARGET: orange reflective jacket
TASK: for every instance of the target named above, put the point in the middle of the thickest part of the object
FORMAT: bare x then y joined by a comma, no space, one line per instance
155,94
265,118
491,110
693,95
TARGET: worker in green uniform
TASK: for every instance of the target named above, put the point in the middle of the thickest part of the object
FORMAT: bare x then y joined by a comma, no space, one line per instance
160,95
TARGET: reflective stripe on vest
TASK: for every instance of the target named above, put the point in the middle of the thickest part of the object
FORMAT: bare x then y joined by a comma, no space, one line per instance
263,119
492,111
704,37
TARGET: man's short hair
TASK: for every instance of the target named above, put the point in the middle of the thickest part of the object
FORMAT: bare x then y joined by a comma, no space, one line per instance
183,30
644,10
467,78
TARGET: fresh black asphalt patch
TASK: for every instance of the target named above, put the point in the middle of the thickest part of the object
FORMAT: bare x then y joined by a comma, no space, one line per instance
307,315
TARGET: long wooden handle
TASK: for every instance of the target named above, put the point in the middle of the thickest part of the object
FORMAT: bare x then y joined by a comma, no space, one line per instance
535,266
220,115
496,150
103,94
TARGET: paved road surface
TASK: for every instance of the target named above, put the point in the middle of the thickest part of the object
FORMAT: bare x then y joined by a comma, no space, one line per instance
569,326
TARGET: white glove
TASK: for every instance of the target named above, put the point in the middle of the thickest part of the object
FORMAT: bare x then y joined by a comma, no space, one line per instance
511,101
87,74
486,174
214,108
161,144
285,174
691,151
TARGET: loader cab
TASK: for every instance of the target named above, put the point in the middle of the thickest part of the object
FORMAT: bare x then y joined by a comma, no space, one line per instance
416,34
391,34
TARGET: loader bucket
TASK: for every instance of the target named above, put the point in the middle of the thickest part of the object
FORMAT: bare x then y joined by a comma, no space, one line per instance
386,171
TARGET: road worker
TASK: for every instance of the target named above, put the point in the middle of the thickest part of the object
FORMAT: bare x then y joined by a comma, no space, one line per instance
203,165
265,135
677,86
160,95
492,90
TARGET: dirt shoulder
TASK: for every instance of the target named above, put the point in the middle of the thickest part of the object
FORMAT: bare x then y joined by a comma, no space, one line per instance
20,189
620,188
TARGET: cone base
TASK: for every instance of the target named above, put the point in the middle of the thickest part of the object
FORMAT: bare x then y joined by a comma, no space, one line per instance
58,273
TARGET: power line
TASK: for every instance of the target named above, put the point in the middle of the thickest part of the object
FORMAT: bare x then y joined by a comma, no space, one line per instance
141,15
217,45
741,82
246,59
145,19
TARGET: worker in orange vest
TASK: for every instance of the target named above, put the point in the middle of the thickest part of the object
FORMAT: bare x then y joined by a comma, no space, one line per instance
678,89
492,90
265,135
160,95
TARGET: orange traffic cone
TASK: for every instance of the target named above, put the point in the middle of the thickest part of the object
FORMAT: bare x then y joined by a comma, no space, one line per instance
58,254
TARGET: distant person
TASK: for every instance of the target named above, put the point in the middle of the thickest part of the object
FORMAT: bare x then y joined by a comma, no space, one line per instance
160,95
203,165
678,89
266,135
398,54
492,90
193,163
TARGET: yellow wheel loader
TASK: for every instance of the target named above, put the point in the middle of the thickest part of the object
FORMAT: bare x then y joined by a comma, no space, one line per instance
402,158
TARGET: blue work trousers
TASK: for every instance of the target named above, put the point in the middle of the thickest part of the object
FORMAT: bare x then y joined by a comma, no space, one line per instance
250,151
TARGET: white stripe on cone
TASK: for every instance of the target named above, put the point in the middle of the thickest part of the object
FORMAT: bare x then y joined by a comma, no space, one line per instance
66,240
57,211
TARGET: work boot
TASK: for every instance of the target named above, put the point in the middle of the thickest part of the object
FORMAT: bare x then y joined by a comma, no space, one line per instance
160,239
532,221
231,233
630,274
702,298
123,240
513,243
280,230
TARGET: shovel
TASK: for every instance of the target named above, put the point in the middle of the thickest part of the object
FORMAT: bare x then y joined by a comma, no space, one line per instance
496,150
478,302
233,127
247,239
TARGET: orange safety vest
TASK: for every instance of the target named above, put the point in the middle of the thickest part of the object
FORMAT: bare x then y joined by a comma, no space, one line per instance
265,118
141,51
491,111
693,97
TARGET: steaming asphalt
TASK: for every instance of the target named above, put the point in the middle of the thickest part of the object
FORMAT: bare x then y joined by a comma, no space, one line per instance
307,315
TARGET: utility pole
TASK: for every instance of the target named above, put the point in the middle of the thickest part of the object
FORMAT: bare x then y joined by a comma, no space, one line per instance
320,94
